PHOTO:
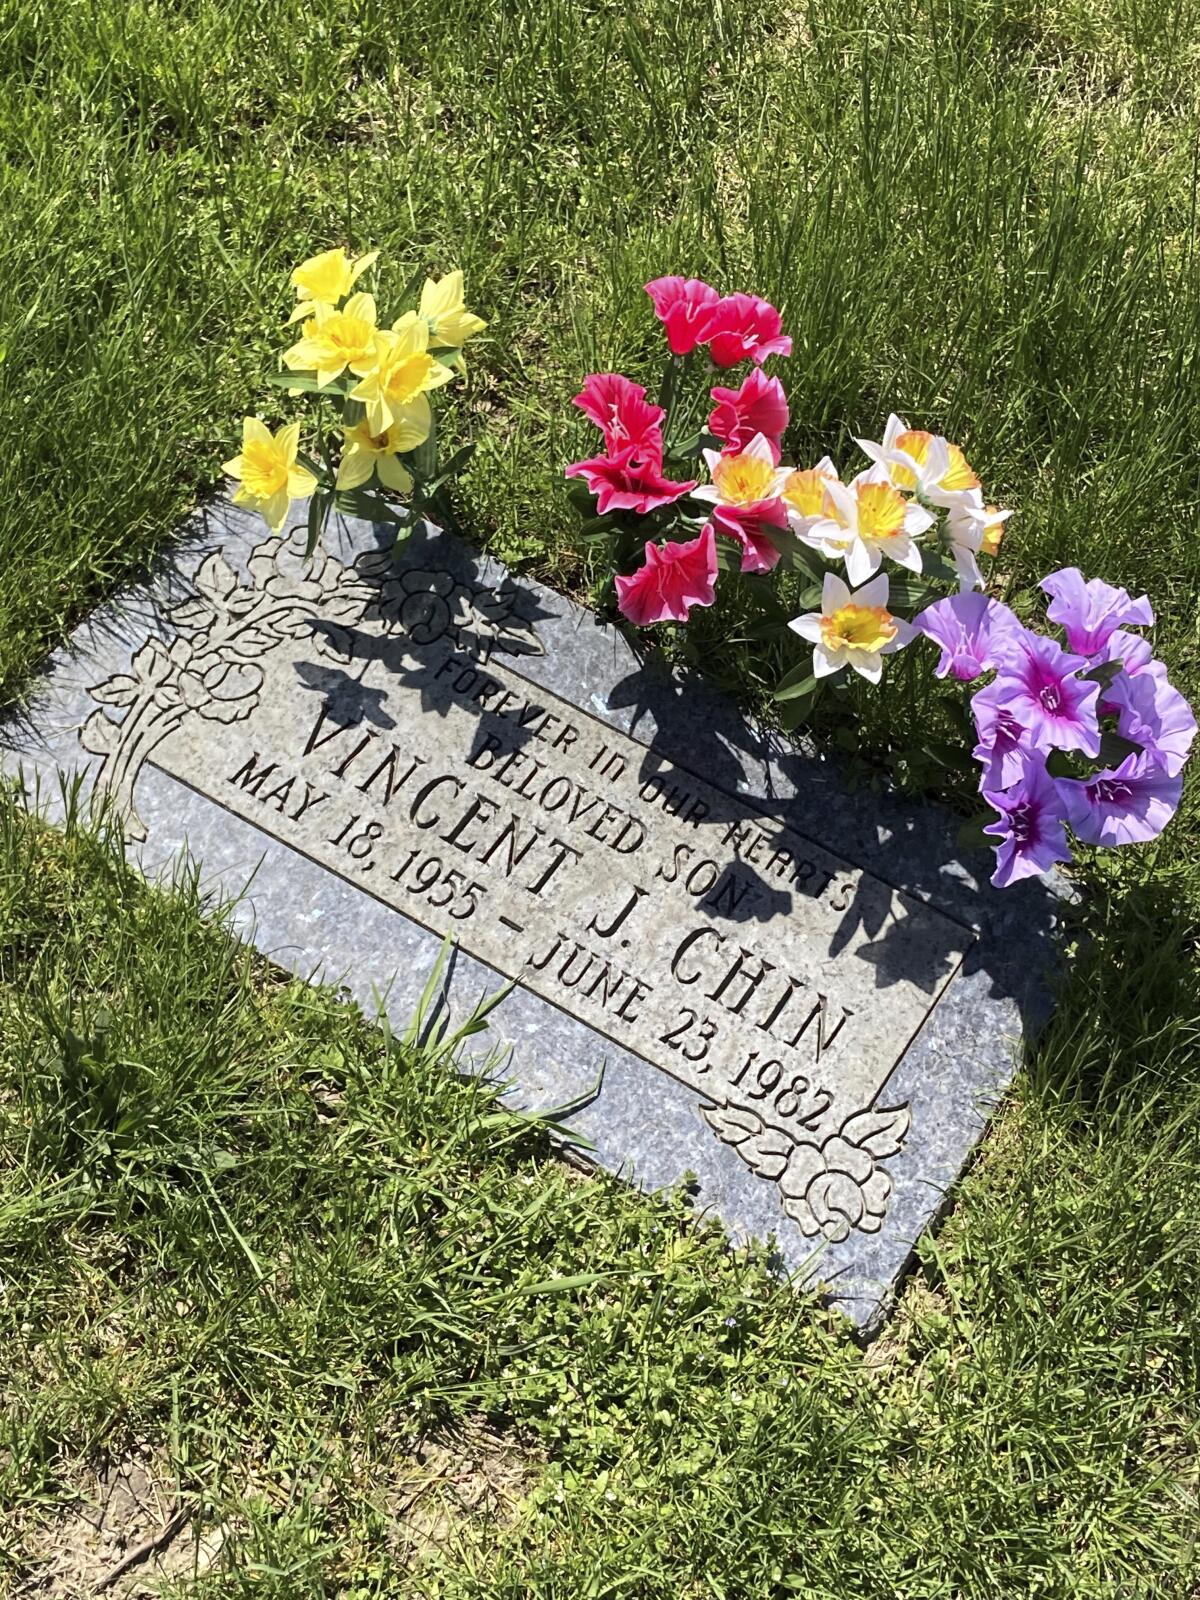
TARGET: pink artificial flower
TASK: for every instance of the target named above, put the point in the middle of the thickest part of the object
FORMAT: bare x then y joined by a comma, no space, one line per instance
743,327
683,306
1038,683
673,578
760,553
620,410
1004,747
1132,651
759,406
968,627
626,482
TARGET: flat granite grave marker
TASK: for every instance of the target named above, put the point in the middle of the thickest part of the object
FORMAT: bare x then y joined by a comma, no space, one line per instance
791,991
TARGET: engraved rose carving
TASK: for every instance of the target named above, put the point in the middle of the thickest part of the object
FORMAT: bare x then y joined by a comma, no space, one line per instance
423,603
834,1187
427,602
828,1187
219,689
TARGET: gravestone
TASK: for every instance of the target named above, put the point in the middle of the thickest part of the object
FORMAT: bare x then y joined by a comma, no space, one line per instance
729,964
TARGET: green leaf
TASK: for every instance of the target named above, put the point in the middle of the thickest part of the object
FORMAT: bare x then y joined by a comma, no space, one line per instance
1104,673
1059,764
797,683
369,507
451,468
1114,748
911,593
577,1280
971,836
306,383
318,513
934,566
580,496
688,449
424,458
805,559
793,713
945,754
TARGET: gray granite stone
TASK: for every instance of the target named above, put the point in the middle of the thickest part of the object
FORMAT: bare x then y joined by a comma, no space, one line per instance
729,964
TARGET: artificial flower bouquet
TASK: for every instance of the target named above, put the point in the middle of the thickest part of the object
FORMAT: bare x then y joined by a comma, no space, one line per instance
1082,731
377,444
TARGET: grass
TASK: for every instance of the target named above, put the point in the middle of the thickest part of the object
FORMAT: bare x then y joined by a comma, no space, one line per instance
245,1227
240,1227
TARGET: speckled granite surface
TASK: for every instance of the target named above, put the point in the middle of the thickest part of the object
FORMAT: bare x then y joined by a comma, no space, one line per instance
159,724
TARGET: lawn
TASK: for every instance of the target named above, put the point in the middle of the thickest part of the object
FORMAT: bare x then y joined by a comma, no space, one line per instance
359,1322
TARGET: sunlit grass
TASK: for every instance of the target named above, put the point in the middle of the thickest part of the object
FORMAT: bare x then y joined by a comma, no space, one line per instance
234,1222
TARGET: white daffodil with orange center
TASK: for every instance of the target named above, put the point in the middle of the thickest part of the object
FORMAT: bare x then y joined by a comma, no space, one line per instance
268,477
742,481
745,499
866,520
332,340
327,278
803,494
395,390
922,463
853,628
973,529
364,453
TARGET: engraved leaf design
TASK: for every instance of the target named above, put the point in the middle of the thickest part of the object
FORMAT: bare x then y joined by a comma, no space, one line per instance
100,734
216,578
764,1150
119,690
151,664
192,614
879,1132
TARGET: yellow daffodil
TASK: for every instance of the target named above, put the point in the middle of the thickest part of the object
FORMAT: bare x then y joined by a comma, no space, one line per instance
331,340
993,530
267,472
450,323
328,277
364,452
395,391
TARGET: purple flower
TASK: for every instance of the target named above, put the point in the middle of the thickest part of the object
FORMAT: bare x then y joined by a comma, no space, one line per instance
1091,611
1030,826
1127,805
965,626
1132,651
1037,683
1003,742
1154,714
